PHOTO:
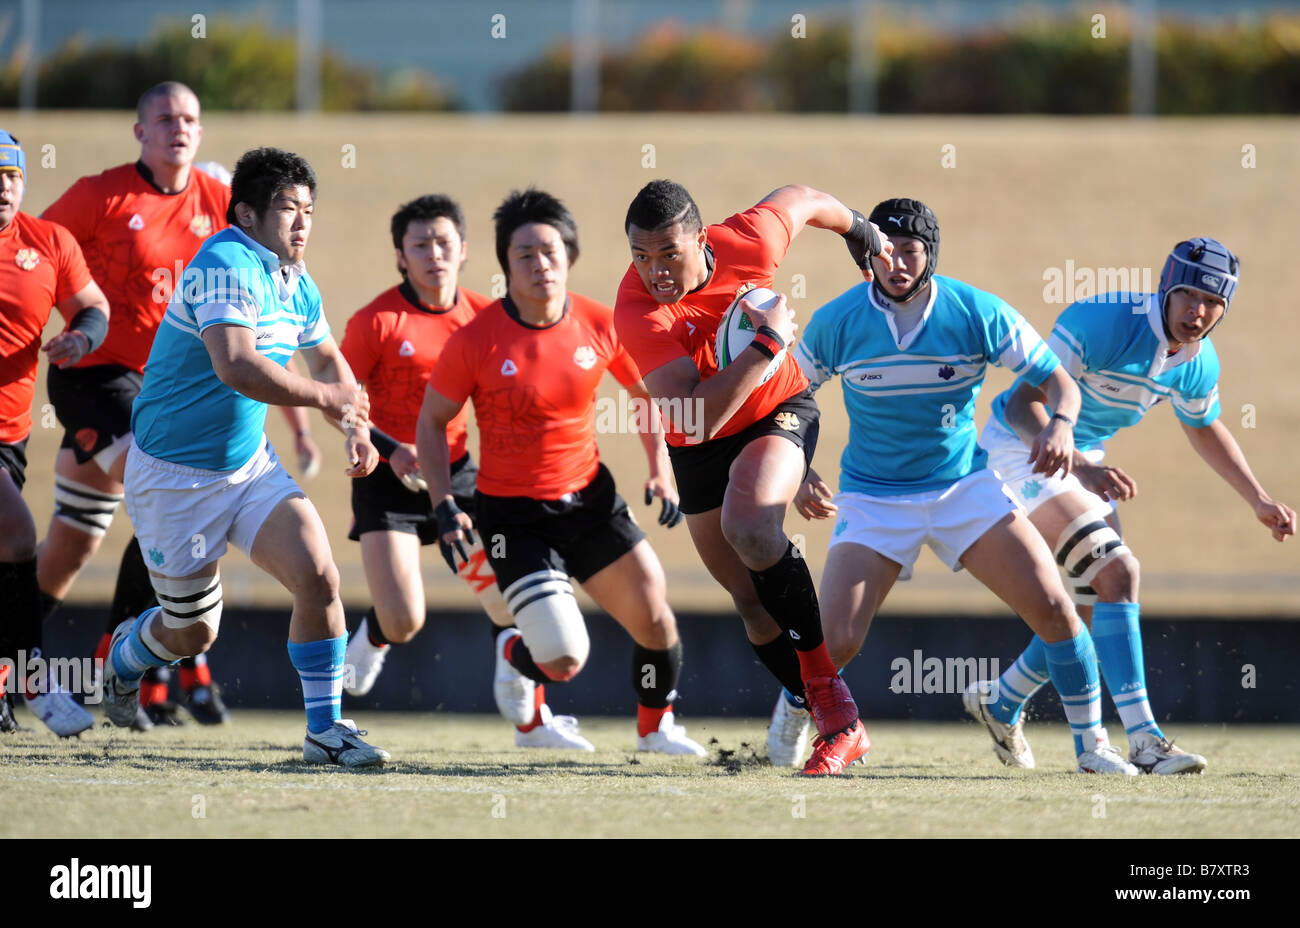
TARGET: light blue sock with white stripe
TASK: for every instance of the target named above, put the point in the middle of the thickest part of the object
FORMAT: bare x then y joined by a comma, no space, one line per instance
1073,666
131,657
1025,677
1118,638
320,667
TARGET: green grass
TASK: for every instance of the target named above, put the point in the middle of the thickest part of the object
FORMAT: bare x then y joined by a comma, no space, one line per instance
461,776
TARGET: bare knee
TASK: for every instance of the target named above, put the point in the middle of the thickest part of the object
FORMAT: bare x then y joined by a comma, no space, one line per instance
756,540
561,669
399,626
1056,620
318,589
1118,581
187,642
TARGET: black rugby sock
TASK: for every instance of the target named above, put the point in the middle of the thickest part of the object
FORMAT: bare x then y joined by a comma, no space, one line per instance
782,661
133,593
655,674
48,605
373,630
521,659
20,630
787,592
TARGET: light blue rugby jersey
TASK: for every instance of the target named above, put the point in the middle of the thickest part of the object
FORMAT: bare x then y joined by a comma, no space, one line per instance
1114,345
184,413
911,405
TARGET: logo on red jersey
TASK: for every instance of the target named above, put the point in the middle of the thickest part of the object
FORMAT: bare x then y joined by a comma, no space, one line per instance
406,349
508,369
201,226
27,258
136,222
787,420
585,357
85,439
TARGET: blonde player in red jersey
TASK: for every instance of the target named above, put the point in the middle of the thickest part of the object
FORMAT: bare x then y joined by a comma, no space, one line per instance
740,446
41,268
138,225
391,344
546,508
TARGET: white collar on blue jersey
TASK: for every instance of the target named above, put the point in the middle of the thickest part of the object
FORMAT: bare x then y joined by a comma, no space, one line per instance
890,310
1163,360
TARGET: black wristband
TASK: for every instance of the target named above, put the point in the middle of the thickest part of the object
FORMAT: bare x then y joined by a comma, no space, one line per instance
1066,419
761,345
863,242
384,443
92,323
771,333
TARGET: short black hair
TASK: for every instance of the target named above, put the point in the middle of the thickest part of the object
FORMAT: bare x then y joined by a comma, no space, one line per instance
660,204
165,89
532,205
264,172
427,208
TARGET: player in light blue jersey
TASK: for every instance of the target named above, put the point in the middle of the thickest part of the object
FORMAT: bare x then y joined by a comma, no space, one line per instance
1129,352
911,350
200,472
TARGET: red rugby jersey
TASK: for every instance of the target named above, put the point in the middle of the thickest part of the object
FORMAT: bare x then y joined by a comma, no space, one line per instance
137,242
392,343
747,248
534,393
40,266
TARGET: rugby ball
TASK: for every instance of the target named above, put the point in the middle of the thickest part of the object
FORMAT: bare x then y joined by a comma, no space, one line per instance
737,330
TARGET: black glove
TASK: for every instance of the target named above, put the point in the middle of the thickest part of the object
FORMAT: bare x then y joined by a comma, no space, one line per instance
863,241
446,513
669,515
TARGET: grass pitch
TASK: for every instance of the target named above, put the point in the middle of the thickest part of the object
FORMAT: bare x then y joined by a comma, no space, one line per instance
456,776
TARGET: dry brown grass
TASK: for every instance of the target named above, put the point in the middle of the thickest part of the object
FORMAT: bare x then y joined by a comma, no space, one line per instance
1025,195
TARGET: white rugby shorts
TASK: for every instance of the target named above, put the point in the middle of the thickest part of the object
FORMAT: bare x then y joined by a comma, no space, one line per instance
184,516
949,520
1009,457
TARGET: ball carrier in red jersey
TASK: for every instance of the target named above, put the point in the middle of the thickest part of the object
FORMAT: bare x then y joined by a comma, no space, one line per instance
41,268
391,345
138,225
546,508
740,458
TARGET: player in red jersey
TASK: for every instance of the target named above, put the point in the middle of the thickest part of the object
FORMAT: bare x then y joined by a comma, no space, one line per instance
546,508
41,268
138,226
391,345
739,448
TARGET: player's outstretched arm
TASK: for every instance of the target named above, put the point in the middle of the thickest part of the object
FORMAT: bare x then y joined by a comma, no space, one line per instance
87,315
808,206
1052,449
1215,444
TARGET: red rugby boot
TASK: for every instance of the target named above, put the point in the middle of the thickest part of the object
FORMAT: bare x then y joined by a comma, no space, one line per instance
832,753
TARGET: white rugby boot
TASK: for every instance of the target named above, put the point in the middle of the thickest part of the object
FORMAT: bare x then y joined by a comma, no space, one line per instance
556,731
1009,742
341,744
365,659
669,739
1103,758
1152,754
59,711
787,733
514,693
121,697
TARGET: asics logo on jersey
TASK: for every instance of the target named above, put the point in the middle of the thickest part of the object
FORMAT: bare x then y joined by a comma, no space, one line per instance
27,258
946,372
136,222
585,357
508,369
406,349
